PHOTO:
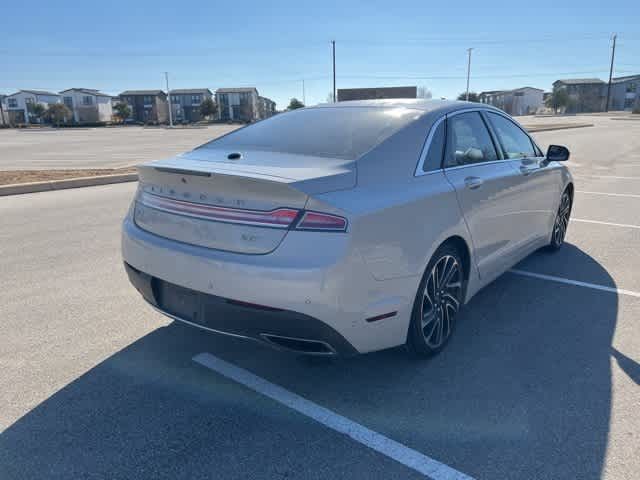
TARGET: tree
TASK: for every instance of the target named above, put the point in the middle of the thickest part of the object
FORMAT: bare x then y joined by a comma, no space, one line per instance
208,108
58,113
36,110
295,103
123,111
558,99
473,96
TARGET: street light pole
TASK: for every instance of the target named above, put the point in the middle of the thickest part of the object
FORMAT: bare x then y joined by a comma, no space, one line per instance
613,54
468,72
166,79
333,45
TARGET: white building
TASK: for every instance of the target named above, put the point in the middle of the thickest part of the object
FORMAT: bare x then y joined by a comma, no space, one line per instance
19,105
520,101
88,105
4,115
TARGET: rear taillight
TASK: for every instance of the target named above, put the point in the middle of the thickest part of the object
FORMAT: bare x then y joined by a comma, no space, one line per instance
279,218
321,221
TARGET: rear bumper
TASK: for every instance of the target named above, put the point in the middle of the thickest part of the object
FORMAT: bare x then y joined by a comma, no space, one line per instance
321,281
278,328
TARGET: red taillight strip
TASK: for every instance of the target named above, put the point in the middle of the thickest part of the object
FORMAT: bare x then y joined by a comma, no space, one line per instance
321,222
278,218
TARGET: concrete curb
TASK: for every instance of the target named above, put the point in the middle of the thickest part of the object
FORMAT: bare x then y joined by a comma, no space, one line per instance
17,189
548,128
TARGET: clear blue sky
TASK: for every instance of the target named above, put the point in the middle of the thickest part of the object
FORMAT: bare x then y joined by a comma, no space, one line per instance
117,45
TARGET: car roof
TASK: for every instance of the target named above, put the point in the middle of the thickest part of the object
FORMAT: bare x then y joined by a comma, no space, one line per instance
440,106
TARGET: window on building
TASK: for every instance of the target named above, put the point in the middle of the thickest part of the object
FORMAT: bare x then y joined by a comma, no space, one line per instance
29,100
175,99
631,87
87,100
628,103
12,103
196,99
68,101
515,143
147,100
468,141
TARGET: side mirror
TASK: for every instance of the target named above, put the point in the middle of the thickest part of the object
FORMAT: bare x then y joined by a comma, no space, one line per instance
557,153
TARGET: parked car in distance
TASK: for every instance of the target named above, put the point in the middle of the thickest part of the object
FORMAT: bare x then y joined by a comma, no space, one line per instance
345,228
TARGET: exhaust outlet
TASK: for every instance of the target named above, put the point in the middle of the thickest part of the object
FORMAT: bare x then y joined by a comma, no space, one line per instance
299,345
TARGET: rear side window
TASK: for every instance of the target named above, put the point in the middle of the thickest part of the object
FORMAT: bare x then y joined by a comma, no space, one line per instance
468,141
433,158
337,132
515,143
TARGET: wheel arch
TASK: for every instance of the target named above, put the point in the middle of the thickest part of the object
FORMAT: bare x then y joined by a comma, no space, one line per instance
460,244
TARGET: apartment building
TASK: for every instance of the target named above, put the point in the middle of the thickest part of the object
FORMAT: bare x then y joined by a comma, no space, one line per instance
147,106
625,93
586,94
88,105
266,107
185,104
19,105
519,101
238,104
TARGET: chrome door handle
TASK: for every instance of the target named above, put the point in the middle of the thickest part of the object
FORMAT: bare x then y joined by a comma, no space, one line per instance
473,182
527,170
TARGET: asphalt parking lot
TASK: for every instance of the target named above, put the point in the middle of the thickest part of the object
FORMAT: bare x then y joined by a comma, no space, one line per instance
114,147
540,381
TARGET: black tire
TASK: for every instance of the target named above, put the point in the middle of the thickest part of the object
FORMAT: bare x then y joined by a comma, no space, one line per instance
561,223
437,303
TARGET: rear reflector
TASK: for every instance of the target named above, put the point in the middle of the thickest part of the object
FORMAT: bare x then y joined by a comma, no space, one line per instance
279,218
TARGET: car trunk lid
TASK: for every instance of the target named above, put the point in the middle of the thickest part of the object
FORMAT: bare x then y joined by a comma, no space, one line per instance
244,206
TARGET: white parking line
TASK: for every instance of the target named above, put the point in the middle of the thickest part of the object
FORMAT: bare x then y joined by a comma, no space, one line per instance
392,449
630,195
624,225
568,281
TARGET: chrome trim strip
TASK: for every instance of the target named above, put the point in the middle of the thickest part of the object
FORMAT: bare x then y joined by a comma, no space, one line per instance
458,167
207,212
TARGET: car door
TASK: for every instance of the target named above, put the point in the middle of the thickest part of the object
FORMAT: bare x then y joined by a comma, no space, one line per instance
483,181
536,185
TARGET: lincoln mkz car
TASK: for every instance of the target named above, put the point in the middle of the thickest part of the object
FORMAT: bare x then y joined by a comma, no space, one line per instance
345,228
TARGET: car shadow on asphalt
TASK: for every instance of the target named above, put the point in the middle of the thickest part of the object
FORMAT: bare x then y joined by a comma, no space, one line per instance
523,390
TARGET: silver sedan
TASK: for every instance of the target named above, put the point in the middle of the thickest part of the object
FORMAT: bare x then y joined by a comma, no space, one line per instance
345,228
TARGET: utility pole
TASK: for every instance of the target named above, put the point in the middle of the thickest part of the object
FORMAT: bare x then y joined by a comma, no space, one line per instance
613,54
166,79
468,72
304,97
333,45
1,112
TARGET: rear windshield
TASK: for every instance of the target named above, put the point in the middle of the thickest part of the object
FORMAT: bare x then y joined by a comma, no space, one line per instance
346,132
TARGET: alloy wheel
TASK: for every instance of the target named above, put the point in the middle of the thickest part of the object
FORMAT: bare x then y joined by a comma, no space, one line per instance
562,219
441,301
